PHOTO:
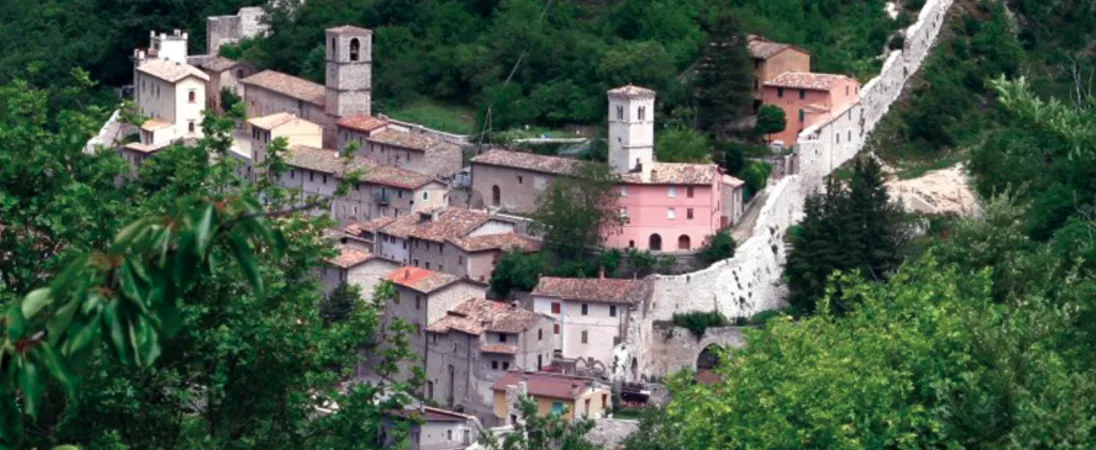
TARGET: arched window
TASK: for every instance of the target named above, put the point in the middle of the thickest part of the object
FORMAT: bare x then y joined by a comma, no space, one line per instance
192,97
496,195
334,48
355,48
683,242
655,243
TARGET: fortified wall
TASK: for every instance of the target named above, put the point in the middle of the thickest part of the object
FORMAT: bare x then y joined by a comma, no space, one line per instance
751,281
221,30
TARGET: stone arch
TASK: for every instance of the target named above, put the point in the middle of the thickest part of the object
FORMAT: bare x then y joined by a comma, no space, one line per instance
355,49
708,357
654,242
683,242
496,195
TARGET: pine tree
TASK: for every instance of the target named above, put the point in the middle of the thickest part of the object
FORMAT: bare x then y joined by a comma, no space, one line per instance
723,83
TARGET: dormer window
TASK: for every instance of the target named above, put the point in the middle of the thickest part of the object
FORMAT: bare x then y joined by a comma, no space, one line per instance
355,49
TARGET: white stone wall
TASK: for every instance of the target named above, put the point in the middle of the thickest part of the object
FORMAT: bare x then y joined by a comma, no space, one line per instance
751,281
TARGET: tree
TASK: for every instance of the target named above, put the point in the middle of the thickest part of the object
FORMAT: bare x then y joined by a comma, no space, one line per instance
846,228
733,159
723,86
578,211
517,271
534,431
683,145
770,119
340,303
718,246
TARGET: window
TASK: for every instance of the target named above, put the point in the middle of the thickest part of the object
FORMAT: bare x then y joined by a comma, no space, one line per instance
802,94
426,195
671,214
418,302
655,242
355,49
689,214
494,365
838,137
520,179
325,178
780,92
555,308
585,337
757,83
441,268
502,337
624,191
846,90
620,113
557,408
540,334
672,192
555,328
505,365
585,309
632,244
460,260
612,310
311,176
684,243
849,136
449,433
416,263
642,113
801,116
624,212
428,265
190,126
292,174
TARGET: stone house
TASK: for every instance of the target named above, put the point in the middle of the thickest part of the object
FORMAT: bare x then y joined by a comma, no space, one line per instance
566,395
423,297
347,90
357,267
417,152
772,59
364,234
381,191
591,314
434,429
512,181
475,344
809,98
224,75
354,130
296,131
171,95
476,256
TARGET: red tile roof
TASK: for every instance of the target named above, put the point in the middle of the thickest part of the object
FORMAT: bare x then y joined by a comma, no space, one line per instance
807,80
541,384
288,85
355,228
477,315
675,173
554,165
362,122
503,241
761,48
350,257
603,290
422,280
452,223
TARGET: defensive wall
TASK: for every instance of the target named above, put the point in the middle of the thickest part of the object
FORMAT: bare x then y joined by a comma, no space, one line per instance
752,281
221,30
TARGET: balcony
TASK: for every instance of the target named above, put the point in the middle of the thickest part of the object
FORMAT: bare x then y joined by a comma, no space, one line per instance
381,198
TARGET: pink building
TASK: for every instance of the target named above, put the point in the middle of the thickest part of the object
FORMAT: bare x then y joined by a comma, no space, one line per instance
807,99
669,206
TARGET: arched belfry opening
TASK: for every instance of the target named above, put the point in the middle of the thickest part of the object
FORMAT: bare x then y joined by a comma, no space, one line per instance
355,49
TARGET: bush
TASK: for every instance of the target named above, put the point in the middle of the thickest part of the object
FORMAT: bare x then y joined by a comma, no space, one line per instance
756,175
698,322
717,247
517,271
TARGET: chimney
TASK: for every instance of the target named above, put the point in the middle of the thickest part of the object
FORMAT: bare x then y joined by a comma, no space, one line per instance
406,273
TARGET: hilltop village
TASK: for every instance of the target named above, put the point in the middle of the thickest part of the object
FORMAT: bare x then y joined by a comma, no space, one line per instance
431,214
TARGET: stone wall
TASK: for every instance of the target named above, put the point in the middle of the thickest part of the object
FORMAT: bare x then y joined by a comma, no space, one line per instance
752,281
677,348
109,134
221,30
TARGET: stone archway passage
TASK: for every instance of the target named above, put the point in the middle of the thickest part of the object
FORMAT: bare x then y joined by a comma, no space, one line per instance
708,357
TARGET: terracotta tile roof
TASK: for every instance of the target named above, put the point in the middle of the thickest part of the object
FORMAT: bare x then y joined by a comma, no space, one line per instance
430,414
477,315
602,290
355,228
451,223
350,257
326,161
675,173
272,121
501,349
520,160
631,91
503,241
807,80
171,71
350,29
402,227
154,124
761,48
732,181
288,85
144,148
542,384
422,280
362,122
411,141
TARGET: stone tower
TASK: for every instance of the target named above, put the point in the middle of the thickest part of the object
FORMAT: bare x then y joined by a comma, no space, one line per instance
631,129
349,71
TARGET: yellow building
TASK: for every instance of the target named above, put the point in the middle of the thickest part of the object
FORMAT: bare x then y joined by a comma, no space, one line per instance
554,393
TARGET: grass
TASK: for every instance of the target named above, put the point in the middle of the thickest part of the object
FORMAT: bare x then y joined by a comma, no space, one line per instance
439,116
627,413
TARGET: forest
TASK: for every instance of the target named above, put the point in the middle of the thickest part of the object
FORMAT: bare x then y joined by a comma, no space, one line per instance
171,312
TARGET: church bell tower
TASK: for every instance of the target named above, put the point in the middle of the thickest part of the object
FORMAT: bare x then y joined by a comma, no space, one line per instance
349,71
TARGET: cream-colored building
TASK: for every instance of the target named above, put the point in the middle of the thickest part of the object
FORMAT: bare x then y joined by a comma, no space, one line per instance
565,395
357,267
171,97
591,314
296,131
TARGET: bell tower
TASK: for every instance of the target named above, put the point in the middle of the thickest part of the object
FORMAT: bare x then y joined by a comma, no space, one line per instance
349,71
631,129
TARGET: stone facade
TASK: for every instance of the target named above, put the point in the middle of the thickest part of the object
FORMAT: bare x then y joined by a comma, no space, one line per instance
750,282
246,23
508,189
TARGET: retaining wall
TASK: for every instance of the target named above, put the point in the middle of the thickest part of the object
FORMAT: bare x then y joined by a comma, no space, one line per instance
752,281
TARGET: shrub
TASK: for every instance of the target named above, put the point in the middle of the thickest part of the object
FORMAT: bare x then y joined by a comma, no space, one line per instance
697,322
718,246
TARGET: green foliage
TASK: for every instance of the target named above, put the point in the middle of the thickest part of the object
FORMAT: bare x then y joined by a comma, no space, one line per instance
699,321
733,159
718,246
723,84
536,432
756,176
682,145
229,99
340,304
654,432
770,119
439,117
643,263
578,211
848,227
517,271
